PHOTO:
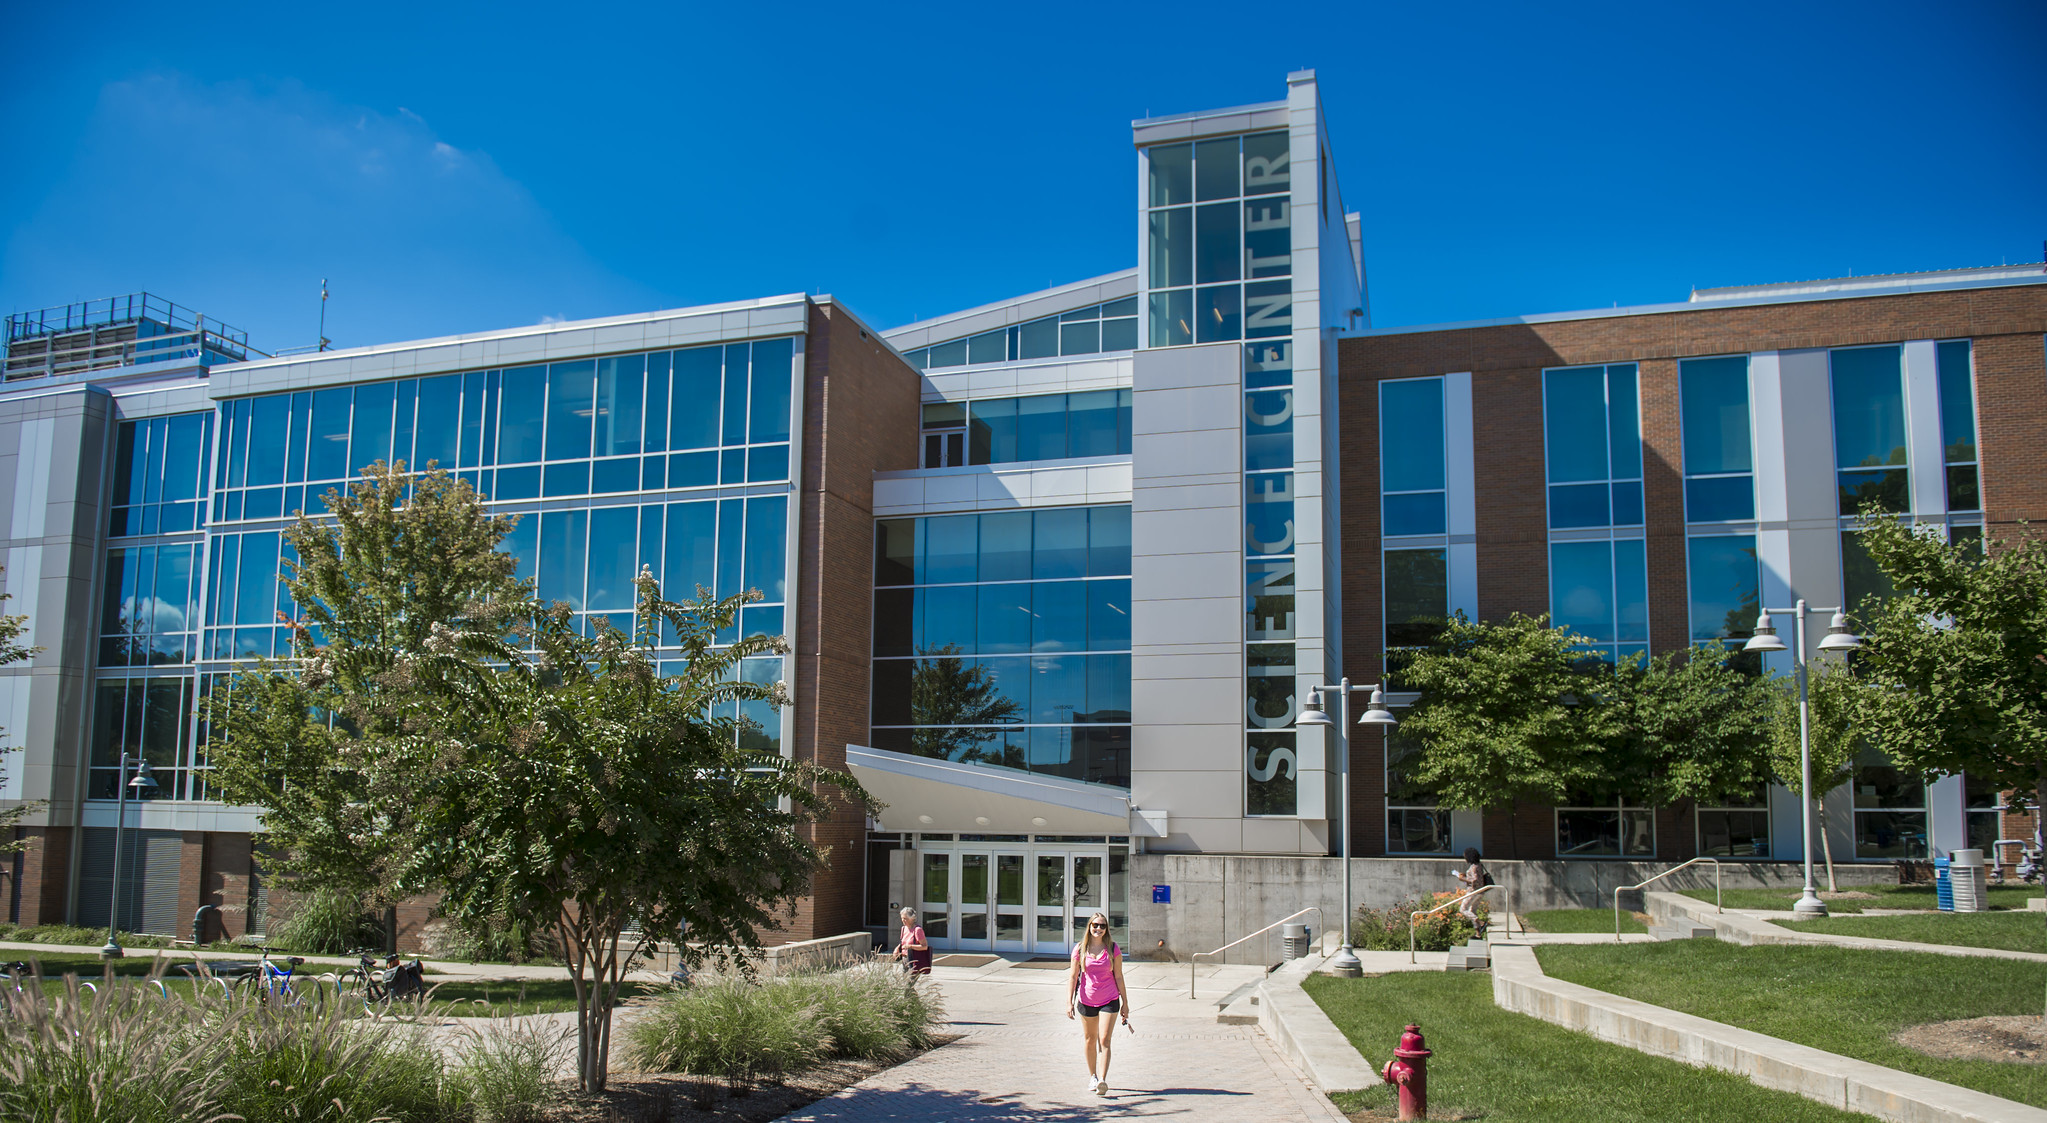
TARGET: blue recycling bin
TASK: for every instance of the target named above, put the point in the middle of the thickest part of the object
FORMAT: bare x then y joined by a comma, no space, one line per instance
1944,884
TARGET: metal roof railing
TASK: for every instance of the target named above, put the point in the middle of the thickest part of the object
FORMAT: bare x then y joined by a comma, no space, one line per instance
134,306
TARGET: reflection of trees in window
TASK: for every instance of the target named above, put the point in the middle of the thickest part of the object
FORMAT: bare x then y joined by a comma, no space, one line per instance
948,692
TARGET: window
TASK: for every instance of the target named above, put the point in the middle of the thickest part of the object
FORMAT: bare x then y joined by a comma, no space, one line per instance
146,717
1593,446
1600,590
1084,331
699,417
1890,810
1869,428
1614,828
1958,425
1981,810
1411,461
1861,580
1736,830
1718,457
1723,580
149,606
1004,639
160,474
1039,427
1417,604
1414,822
1219,242
945,434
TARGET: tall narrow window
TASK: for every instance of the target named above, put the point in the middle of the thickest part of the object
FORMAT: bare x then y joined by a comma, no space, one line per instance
1600,590
1718,456
1958,425
1411,457
1417,604
1869,428
1723,579
1593,428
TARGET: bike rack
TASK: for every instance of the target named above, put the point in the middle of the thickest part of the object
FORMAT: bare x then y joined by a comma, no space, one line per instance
1192,959
1659,877
1508,928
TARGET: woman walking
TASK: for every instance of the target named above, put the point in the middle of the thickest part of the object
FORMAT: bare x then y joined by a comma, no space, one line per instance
1474,877
1095,984
912,947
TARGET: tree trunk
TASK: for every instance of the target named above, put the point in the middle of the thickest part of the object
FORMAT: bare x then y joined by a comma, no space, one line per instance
1827,844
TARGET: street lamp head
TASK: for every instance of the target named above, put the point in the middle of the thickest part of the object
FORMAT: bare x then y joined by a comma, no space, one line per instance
1765,638
144,782
1313,714
1839,638
1376,713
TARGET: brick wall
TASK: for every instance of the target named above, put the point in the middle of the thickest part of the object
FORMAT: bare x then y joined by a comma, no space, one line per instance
45,875
1506,363
860,416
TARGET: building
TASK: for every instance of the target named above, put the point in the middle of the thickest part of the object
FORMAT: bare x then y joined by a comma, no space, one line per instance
1057,571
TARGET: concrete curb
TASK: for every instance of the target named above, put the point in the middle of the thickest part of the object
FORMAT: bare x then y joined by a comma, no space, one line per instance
1520,985
1736,928
1304,1034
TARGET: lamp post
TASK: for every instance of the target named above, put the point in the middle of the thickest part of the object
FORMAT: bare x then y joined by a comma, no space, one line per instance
1346,963
1838,638
143,783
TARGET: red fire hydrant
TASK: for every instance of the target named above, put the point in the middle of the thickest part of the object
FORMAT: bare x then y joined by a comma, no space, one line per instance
1409,1071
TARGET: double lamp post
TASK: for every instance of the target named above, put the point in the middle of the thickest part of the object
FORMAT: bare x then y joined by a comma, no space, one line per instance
1838,638
1376,713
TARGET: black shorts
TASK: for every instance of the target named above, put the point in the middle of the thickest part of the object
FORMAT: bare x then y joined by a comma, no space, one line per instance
1113,1006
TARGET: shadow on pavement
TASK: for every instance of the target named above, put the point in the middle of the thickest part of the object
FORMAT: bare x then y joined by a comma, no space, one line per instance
924,1103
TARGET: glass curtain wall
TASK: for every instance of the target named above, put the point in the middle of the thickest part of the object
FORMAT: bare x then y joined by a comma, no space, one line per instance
1220,240
1004,639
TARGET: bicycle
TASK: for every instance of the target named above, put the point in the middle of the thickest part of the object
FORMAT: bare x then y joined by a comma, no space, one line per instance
274,984
366,976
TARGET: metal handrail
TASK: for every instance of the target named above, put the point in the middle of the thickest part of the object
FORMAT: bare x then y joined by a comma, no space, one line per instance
1452,904
1233,943
1659,877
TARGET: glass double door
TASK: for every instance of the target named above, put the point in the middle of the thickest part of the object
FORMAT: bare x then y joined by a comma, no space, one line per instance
1021,900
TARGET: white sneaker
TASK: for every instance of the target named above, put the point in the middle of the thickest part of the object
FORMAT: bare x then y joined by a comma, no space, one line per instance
1093,1082
1101,1086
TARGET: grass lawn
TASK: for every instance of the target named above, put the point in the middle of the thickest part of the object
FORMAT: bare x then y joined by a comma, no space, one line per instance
1581,920
2008,931
1511,1068
1887,897
1842,1000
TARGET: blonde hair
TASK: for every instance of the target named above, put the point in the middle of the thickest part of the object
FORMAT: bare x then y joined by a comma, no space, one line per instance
1087,942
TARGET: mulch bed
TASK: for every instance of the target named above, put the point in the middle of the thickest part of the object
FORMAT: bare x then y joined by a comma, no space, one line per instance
2010,1038
672,1098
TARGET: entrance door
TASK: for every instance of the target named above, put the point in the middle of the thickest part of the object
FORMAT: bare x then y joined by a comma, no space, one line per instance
973,902
1009,902
1069,890
1087,882
935,913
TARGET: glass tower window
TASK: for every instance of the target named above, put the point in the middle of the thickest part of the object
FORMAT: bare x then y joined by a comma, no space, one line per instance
1219,240
1593,431
160,474
1004,639
1958,425
146,717
1600,590
1869,428
149,606
1723,577
1719,460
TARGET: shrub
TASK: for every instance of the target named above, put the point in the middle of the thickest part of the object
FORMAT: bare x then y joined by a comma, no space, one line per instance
495,940
120,1055
323,1062
736,1027
1386,929
325,922
506,1071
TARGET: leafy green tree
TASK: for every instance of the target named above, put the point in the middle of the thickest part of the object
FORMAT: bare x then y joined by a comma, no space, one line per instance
573,785
1954,662
949,696
1505,715
329,746
1690,727
1830,708
12,650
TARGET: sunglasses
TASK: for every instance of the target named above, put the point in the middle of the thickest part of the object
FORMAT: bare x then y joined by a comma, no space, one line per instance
1099,927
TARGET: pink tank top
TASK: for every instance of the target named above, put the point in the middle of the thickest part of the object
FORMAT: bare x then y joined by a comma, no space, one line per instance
1098,977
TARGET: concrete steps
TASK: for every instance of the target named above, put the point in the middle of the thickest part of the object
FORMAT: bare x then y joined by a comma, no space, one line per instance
1240,1006
1473,956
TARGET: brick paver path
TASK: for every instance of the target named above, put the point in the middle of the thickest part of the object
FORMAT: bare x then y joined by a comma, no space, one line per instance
1020,1059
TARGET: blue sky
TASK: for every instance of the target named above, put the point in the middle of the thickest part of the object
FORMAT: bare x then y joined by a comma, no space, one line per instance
466,167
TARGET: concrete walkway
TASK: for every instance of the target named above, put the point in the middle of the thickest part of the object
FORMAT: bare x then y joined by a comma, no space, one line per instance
1019,1058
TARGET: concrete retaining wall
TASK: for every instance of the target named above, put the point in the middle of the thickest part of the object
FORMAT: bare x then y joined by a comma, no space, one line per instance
1520,985
1218,898
1305,1035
